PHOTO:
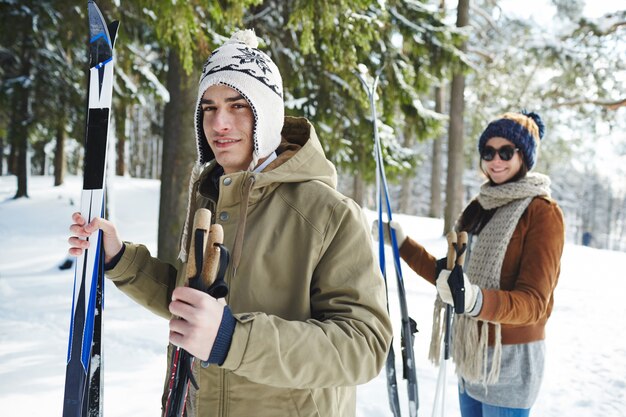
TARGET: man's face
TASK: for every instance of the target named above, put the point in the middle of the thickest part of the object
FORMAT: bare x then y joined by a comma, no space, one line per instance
228,123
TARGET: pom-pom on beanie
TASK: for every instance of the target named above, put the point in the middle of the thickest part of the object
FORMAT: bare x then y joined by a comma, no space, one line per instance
524,129
239,65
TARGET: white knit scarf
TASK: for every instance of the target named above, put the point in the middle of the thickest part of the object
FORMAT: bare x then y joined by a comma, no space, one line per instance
470,339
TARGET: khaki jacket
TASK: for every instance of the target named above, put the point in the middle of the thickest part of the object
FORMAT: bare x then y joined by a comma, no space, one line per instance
530,272
307,293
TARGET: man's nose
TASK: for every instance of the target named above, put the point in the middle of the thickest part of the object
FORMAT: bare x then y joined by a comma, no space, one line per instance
221,121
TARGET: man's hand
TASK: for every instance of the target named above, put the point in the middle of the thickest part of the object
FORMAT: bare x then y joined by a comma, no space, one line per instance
81,230
196,322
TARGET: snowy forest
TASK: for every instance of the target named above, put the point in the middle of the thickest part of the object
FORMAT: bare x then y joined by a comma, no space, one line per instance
446,69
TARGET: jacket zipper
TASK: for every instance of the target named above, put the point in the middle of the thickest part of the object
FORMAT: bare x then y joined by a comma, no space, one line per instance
222,404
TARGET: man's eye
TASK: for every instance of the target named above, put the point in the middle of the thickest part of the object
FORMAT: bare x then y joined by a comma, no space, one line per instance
208,108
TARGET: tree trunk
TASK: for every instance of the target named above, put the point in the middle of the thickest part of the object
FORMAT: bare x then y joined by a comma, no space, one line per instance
358,189
437,168
436,173
405,200
1,156
12,160
358,183
20,122
120,133
179,154
454,184
20,132
59,154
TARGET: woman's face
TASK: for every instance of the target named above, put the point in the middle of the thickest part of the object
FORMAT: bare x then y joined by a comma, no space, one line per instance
494,166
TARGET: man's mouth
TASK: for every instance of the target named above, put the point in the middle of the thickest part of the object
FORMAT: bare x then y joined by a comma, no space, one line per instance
224,141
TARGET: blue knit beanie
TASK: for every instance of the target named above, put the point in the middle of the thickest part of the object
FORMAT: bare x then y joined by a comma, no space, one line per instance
524,129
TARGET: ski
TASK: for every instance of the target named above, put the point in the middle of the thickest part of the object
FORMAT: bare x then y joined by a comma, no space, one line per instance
83,376
408,325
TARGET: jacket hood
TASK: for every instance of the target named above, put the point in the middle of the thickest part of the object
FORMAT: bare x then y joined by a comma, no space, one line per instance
300,158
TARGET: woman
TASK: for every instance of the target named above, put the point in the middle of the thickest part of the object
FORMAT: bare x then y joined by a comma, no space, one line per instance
516,237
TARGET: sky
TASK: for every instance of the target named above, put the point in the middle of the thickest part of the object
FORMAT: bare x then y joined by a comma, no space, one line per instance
543,11
586,346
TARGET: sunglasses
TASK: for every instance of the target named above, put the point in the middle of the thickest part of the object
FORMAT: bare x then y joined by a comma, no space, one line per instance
505,152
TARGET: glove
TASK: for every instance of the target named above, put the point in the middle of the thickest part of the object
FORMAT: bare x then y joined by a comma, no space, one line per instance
471,290
400,235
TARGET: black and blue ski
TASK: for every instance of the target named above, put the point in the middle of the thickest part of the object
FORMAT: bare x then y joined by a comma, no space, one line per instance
83,377
408,326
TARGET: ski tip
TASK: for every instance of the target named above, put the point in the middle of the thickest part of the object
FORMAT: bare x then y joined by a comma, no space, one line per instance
100,40
113,27
97,24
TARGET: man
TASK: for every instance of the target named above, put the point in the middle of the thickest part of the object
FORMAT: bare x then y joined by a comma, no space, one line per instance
305,320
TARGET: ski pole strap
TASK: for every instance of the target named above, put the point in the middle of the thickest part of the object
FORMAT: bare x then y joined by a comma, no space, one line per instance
199,240
456,280
188,364
198,252
457,245
219,289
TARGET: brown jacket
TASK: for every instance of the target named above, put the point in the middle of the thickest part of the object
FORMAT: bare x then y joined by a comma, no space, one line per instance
530,273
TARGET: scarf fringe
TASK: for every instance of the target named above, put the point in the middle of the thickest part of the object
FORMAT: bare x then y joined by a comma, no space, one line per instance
470,350
437,333
470,347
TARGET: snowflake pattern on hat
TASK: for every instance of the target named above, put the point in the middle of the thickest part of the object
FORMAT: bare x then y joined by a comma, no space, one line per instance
247,56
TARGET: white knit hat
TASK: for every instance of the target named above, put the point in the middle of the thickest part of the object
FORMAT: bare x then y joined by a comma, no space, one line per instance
239,65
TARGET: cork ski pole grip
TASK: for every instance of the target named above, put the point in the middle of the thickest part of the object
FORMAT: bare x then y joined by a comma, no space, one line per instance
212,255
451,259
202,223
462,245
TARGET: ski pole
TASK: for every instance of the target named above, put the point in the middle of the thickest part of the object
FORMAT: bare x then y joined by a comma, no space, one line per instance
206,267
457,245
439,404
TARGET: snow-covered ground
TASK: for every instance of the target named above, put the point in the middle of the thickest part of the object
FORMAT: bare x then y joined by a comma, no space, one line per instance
586,364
